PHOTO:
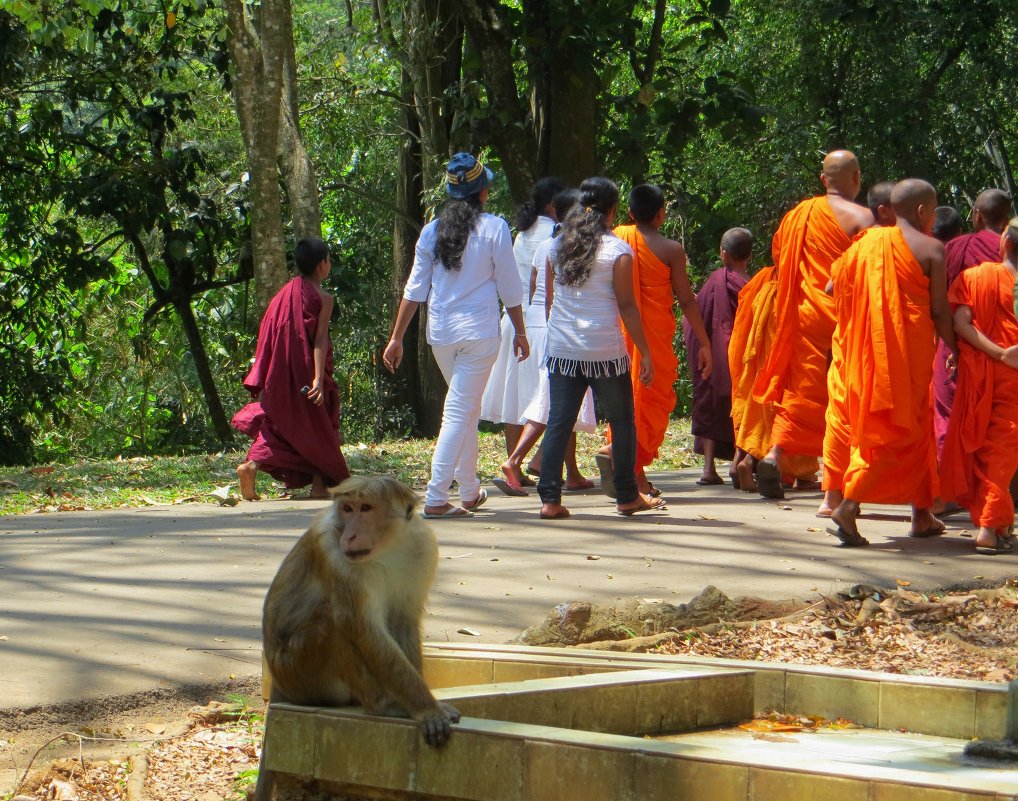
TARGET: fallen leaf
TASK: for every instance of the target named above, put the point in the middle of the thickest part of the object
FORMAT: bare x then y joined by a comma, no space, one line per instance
471,632
706,517
903,582
41,471
593,558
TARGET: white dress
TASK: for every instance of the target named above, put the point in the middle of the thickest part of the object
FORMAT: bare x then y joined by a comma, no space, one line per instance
536,410
511,383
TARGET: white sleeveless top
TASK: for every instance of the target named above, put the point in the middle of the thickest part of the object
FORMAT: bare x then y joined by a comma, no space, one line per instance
584,330
526,245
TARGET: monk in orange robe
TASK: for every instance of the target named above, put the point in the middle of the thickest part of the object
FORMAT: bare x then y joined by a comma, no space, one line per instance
659,277
981,448
794,377
837,435
752,333
891,299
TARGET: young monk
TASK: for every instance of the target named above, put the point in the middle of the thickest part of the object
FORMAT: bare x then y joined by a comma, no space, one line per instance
837,434
794,377
294,419
989,217
717,301
948,224
659,278
878,199
752,334
891,299
981,449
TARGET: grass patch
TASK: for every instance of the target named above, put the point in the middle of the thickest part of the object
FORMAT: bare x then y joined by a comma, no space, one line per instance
144,481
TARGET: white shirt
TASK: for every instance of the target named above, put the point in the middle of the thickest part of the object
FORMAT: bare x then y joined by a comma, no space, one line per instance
584,325
463,303
536,316
526,245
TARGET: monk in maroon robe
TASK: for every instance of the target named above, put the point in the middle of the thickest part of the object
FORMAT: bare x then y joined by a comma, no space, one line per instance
718,298
294,419
990,214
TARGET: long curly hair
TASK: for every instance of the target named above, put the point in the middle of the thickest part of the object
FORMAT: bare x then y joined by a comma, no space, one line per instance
456,222
541,195
582,229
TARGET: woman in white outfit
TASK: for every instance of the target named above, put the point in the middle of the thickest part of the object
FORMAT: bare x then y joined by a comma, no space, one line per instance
535,414
463,265
512,383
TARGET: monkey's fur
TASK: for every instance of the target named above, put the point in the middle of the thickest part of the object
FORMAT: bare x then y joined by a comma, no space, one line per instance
342,618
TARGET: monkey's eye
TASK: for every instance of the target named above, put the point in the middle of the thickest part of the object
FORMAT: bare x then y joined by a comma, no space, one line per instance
347,508
366,507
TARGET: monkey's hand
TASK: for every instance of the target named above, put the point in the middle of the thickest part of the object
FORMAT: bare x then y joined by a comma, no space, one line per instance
435,723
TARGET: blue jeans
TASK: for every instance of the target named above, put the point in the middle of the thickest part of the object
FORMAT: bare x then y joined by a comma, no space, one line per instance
614,397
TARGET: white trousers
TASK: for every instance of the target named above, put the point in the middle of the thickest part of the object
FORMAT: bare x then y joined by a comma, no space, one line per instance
466,366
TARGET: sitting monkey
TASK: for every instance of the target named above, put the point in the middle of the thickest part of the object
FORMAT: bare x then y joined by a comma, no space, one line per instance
342,618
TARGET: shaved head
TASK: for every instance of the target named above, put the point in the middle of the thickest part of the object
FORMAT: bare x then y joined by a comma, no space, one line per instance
992,208
909,195
840,173
879,201
738,243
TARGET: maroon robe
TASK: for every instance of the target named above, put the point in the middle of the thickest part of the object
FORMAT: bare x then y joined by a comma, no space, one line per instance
293,438
960,253
718,299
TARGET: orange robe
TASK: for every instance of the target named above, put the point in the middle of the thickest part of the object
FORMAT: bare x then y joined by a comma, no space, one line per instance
794,377
981,447
652,287
887,343
752,334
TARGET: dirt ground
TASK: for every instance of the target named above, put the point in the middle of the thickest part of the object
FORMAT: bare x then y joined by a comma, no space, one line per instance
201,743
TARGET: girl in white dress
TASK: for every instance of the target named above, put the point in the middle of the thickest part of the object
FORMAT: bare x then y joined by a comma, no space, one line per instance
512,383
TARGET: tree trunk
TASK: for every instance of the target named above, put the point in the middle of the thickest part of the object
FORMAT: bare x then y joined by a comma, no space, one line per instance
258,90
298,170
571,119
418,370
224,431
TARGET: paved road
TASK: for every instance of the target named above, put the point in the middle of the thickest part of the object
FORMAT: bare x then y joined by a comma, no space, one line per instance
105,603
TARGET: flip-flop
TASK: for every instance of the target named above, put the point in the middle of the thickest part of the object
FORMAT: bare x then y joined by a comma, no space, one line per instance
587,486
768,479
1003,545
607,470
557,516
508,489
935,530
653,492
806,486
654,503
526,481
849,539
710,482
452,513
482,496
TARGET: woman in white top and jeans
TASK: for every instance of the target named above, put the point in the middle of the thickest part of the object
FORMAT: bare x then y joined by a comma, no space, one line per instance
593,288
462,265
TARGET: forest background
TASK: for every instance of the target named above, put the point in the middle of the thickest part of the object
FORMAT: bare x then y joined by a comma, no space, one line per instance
159,158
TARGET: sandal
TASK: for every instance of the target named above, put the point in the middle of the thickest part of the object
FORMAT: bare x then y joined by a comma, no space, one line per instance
768,479
453,512
1002,545
645,506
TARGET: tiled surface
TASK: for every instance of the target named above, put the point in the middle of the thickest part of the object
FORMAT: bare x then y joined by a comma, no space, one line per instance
768,785
349,748
943,711
291,738
473,767
661,777
562,772
832,697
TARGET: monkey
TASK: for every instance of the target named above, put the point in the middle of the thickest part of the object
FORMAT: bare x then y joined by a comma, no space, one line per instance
342,618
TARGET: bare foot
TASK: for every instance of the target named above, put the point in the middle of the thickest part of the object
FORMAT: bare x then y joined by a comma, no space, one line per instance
553,511
578,484
642,503
513,475
844,517
246,476
319,489
747,483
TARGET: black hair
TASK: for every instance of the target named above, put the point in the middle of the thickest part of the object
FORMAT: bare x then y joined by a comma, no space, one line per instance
738,242
947,224
456,222
879,195
564,202
309,253
645,201
582,230
540,196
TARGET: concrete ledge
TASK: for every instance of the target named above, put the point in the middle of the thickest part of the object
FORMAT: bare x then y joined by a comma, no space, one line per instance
923,704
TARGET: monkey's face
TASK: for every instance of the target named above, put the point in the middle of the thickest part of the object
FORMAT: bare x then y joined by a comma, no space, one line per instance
359,528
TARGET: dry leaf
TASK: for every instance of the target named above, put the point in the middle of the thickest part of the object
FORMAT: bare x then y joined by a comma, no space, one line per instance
903,582
471,632
41,471
593,558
